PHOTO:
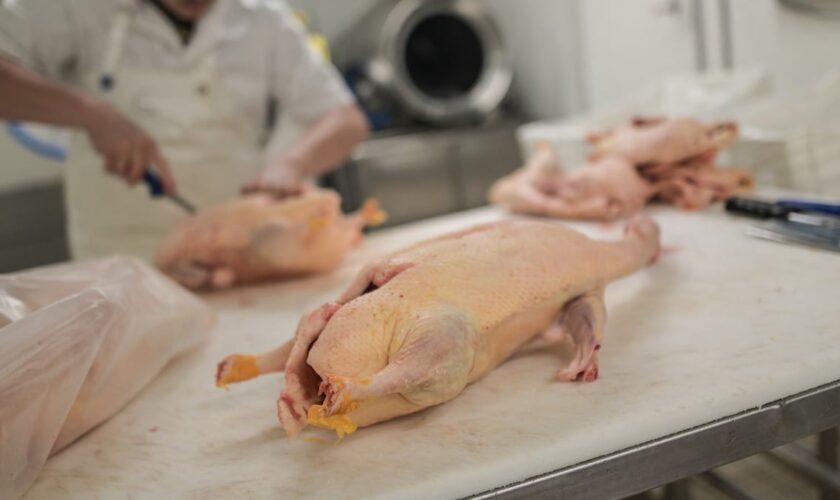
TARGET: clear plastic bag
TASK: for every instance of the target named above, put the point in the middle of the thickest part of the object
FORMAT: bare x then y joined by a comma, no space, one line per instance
77,343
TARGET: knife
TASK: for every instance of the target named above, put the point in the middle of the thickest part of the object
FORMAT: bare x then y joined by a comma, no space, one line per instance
790,211
156,190
800,234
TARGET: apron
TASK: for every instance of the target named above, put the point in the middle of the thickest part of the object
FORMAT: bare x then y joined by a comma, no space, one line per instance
211,148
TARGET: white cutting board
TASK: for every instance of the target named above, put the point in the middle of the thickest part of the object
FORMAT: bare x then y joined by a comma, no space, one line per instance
722,324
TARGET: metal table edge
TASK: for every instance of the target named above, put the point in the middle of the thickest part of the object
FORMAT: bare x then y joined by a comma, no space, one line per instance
685,453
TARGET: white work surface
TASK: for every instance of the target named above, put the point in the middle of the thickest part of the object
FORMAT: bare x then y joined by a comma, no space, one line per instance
723,323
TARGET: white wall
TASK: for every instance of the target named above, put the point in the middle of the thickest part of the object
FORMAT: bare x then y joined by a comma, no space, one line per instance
796,48
337,20
332,17
543,42
629,44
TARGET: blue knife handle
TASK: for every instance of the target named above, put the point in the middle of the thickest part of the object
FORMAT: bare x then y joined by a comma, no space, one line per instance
808,206
154,183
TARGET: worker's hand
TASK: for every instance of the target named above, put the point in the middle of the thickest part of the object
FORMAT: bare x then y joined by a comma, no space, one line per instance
125,147
280,179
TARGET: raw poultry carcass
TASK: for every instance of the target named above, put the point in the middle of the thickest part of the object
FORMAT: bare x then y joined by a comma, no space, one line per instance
259,238
663,140
669,159
696,184
605,189
414,328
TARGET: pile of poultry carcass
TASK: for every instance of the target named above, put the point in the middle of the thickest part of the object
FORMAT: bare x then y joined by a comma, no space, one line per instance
667,159
257,238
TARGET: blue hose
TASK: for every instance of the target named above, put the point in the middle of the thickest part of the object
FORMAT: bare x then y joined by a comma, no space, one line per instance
35,144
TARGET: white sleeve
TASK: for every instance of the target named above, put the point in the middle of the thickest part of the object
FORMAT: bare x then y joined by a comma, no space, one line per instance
304,84
38,34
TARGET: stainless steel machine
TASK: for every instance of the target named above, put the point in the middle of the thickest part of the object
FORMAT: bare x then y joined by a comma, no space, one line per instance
429,172
440,62
433,78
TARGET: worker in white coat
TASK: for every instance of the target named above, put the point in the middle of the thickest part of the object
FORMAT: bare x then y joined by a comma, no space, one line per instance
178,86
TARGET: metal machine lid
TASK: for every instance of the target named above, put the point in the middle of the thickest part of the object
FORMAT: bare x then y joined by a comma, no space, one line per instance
444,59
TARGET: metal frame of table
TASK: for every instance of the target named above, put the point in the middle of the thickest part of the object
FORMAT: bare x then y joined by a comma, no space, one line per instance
684,454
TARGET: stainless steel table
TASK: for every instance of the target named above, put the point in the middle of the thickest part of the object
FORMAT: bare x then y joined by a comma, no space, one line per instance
727,347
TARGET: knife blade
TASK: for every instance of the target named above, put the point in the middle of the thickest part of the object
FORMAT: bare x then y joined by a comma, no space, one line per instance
801,234
156,190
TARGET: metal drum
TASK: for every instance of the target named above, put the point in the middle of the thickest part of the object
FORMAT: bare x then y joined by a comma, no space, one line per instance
442,59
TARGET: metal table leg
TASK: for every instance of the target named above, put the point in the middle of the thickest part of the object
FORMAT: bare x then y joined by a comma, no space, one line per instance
803,462
828,453
725,486
679,490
